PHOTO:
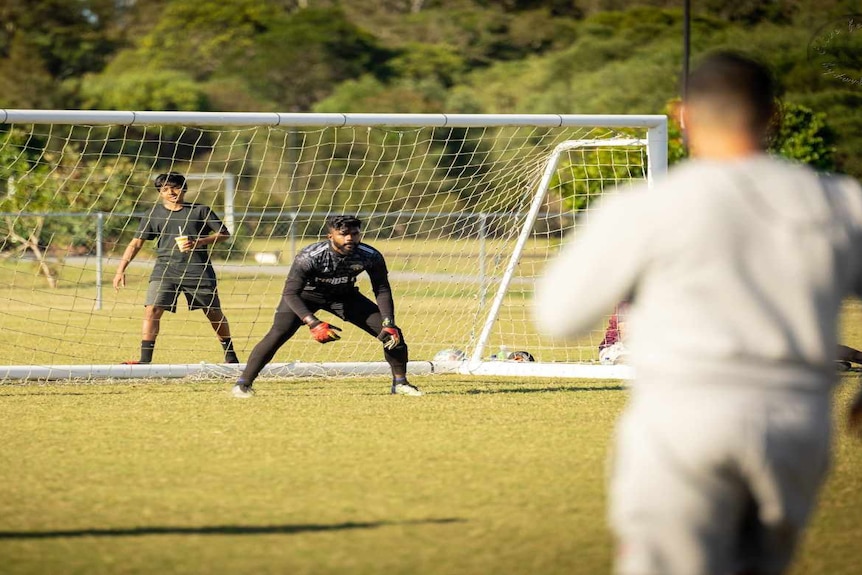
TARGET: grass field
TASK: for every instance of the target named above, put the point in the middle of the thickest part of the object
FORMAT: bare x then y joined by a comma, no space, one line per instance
312,476
481,475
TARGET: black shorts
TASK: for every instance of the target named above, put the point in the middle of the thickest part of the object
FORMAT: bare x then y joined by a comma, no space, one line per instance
164,294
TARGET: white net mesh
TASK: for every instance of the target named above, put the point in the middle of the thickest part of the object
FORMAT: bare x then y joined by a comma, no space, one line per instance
444,205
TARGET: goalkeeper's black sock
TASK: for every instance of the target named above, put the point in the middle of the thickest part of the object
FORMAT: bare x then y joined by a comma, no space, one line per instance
147,348
229,353
396,379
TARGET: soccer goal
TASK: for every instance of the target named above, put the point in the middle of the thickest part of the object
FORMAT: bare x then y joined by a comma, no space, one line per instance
466,208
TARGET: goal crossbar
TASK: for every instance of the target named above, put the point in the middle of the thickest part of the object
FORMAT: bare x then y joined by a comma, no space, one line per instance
655,122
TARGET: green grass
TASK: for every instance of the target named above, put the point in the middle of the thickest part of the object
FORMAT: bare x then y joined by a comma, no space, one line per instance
479,476
482,475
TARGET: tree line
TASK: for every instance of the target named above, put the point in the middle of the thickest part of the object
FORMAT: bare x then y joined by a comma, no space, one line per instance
422,56
416,56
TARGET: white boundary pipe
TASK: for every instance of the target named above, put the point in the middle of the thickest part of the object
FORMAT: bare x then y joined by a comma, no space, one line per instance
556,370
298,369
213,370
136,118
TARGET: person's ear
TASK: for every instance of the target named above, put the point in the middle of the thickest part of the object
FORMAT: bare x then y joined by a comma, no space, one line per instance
679,112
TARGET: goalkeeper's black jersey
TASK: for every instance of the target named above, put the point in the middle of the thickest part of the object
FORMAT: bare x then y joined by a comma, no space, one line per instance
320,270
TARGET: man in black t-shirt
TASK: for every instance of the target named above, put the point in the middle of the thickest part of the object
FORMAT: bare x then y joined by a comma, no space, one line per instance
182,232
323,276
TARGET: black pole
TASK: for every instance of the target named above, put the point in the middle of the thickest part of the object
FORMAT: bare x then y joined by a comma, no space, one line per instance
686,45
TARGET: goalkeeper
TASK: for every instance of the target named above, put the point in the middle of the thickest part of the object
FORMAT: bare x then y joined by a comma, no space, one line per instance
323,276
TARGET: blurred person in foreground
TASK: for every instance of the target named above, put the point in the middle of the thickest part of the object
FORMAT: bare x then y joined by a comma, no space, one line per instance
736,266
323,276
183,233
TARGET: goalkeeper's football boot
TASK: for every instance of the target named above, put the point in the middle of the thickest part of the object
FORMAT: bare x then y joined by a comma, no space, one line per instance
405,389
242,391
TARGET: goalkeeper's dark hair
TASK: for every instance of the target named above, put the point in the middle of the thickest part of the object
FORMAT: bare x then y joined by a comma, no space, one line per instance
343,222
173,179
734,83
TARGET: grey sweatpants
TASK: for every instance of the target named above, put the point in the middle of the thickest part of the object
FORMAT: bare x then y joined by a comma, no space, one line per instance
716,479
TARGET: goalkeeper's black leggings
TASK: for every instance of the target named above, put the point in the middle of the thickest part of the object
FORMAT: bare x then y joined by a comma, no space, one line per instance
356,309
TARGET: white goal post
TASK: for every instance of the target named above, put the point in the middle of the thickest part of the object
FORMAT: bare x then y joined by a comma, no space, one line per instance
466,208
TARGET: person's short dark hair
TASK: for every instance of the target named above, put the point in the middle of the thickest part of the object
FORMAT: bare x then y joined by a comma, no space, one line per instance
173,179
343,222
733,81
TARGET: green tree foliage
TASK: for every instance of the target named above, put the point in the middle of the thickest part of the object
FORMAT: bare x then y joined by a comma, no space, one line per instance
15,160
804,135
38,180
585,174
466,56
71,36
418,62
621,62
149,90
24,80
799,134
44,175
143,90
752,11
462,161
301,58
357,95
568,8
199,36
45,42
841,106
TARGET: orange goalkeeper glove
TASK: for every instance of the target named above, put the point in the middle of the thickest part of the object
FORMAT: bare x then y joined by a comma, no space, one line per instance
390,335
323,332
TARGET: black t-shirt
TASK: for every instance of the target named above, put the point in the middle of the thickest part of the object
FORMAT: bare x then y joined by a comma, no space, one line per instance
164,226
321,270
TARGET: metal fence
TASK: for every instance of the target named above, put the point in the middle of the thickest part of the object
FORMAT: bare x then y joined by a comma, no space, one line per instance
298,225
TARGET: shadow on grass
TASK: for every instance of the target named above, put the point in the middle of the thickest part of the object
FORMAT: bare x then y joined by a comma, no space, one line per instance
28,393
550,389
218,529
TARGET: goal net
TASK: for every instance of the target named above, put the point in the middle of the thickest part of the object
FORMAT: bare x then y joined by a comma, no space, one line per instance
465,208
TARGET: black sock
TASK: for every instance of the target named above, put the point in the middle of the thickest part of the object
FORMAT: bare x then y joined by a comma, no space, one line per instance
396,379
229,353
147,348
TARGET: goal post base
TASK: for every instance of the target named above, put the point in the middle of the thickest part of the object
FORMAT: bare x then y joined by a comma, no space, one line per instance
213,370
538,369
301,369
